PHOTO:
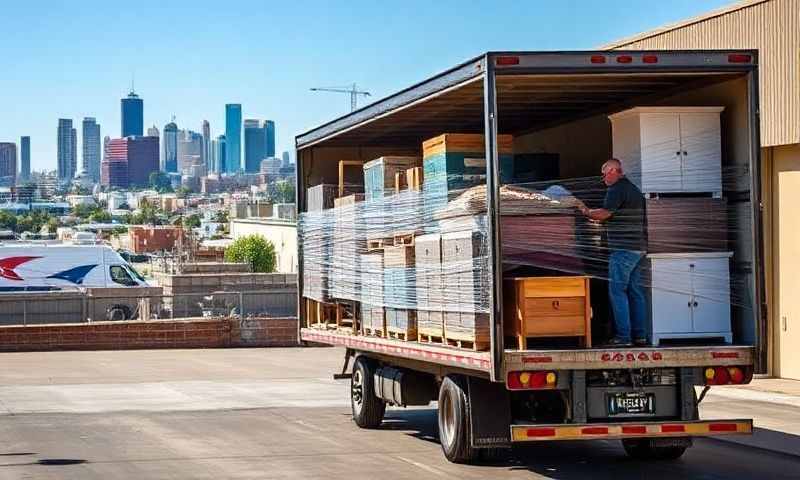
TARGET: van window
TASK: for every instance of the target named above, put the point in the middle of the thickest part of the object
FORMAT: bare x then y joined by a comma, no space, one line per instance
121,276
135,273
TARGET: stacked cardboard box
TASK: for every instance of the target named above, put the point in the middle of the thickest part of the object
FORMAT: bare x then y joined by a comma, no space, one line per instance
430,295
373,320
348,240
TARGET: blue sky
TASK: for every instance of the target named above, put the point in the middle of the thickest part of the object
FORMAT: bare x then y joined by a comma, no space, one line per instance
75,59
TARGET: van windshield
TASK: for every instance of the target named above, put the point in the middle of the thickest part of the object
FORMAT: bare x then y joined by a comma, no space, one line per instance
136,274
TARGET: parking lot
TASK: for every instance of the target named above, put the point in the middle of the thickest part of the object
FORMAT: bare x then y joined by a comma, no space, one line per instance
266,413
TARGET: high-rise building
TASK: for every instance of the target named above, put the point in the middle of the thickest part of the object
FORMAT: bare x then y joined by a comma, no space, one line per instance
91,148
169,155
233,137
129,161
190,150
8,164
67,154
221,152
206,130
132,109
152,131
269,127
25,154
255,145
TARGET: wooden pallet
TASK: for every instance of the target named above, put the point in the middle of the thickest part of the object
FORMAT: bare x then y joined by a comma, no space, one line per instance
346,315
319,314
375,244
403,239
403,334
468,341
374,332
428,338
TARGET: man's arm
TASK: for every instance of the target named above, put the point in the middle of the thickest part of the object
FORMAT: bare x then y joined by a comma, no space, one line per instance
599,214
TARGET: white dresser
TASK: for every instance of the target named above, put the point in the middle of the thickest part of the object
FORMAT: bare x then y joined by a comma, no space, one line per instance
690,296
670,149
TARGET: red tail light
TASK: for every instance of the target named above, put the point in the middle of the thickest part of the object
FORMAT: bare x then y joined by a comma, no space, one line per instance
727,375
736,375
507,61
649,59
739,58
531,380
624,59
598,59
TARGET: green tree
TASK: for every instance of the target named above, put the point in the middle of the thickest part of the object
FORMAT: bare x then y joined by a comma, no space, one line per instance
159,181
191,221
8,221
183,192
26,224
284,192
100,216
253,249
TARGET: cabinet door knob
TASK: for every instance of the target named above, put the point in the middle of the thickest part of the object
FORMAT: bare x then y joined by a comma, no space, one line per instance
684,152
694,304
689,304
556,304
678,153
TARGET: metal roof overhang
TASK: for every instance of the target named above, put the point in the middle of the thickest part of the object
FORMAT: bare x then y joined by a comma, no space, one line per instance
527,100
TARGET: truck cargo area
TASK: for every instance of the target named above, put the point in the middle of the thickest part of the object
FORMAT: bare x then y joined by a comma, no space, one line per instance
442,244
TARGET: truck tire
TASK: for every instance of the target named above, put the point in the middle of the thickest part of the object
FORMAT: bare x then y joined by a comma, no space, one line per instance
118,313
367,408
643,449
454,429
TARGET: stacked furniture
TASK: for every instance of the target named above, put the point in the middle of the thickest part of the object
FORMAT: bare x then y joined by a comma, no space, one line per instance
400,292
466,286
348,239
379,183
547,307
453,162
373,320
430,293
674,155
317,243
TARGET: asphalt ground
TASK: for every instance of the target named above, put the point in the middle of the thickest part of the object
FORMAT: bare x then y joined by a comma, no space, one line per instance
269,413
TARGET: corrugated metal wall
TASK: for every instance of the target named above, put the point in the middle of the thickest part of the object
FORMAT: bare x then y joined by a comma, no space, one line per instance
773,27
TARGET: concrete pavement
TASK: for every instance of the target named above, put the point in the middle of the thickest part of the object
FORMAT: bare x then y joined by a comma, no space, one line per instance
268,413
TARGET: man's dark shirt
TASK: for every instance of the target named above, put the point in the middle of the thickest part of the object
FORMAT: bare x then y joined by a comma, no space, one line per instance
626,225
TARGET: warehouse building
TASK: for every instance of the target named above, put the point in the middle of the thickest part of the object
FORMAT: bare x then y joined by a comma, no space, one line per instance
773,28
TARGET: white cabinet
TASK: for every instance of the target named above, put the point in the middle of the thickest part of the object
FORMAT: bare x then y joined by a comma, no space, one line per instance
670,149
690,296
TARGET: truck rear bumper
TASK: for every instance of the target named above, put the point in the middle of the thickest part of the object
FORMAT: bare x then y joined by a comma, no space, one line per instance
593,431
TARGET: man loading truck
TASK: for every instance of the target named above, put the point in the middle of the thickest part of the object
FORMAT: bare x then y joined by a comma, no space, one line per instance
623,214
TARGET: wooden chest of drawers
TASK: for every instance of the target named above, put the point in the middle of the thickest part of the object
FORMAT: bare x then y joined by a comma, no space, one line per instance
547,307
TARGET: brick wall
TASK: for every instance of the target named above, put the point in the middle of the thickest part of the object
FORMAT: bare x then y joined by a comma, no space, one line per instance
196,333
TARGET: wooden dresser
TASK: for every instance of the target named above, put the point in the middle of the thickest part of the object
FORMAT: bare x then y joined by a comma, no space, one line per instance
547,307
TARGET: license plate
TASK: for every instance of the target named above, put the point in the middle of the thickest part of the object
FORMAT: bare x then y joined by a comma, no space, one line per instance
631,403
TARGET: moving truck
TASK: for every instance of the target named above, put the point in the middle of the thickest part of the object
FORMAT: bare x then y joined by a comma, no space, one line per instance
45,267
564,104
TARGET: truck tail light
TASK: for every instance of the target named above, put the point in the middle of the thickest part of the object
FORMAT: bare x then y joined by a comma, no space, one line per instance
739,58
726,375
531,380
507,60
598,59
649,59
624,59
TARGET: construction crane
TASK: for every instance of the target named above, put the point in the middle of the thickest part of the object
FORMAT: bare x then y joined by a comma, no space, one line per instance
351,89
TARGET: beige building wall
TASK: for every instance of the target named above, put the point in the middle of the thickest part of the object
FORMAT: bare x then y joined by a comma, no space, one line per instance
282,234
773,28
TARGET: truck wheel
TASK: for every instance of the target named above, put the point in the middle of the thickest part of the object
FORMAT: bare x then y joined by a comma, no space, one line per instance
367,408
117,313
454,431
643,449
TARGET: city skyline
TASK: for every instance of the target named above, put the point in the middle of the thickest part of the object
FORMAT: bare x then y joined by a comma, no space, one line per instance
270,79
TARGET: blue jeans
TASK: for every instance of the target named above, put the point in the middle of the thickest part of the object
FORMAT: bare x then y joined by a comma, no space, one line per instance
628,301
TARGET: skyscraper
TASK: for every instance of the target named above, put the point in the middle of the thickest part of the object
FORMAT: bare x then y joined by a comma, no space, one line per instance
269,127
221,155
233,137
169,155
25,154
8,164
152,131
132,109
66,152
190,150
91,148
130,161
285,159
255,144
206,130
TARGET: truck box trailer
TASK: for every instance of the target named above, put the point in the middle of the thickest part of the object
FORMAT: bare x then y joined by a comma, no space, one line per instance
570,111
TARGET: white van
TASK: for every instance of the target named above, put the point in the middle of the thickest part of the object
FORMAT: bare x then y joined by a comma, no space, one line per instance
43,267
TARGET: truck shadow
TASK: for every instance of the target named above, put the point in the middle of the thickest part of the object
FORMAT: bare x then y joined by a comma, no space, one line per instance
605,459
